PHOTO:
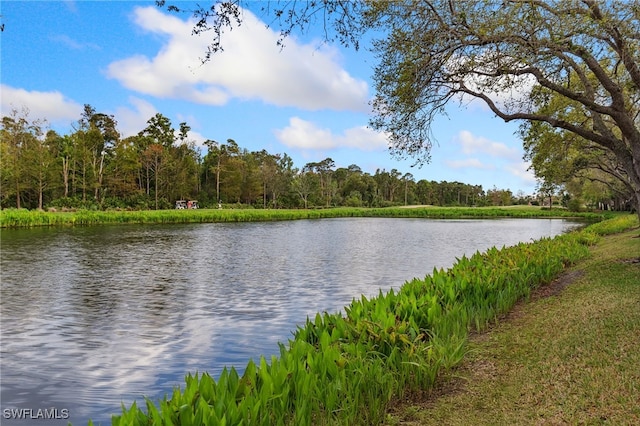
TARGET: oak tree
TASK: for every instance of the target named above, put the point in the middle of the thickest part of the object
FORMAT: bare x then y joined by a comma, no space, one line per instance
511,55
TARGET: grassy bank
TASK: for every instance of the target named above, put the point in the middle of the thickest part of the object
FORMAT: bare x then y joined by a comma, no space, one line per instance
349,369
11,218
569,356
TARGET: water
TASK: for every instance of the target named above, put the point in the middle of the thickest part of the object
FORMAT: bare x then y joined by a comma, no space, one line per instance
92,317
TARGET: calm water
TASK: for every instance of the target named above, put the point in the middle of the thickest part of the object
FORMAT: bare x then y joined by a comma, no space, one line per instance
92,317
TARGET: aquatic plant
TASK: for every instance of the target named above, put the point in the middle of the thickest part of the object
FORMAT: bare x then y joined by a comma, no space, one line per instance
11,218
345,368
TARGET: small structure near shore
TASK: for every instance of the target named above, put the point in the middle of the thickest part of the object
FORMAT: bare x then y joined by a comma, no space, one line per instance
184,204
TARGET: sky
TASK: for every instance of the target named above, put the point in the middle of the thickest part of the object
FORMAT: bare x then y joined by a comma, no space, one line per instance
310,100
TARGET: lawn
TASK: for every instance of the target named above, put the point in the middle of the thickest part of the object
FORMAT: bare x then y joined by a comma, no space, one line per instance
569,355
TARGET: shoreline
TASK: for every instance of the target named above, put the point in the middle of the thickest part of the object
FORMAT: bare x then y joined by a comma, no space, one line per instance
12,218
566,355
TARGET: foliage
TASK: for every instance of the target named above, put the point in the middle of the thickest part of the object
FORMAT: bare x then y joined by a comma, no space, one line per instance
91,215
572,66
93,168
25,160
613,226
580,167
567,359
345,368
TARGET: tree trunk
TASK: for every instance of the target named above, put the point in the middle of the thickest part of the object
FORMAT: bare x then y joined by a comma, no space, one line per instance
84,182
635,174
406,188
156,182
65,176
218,180
637,204
40,191
100,176
17,194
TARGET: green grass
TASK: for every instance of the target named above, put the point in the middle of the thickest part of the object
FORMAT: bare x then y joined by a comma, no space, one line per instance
11,218
349,369
571,357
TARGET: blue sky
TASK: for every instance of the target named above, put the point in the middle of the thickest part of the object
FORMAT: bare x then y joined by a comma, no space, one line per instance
309,100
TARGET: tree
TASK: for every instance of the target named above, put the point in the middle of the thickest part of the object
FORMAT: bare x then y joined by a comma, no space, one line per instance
567,160
511,55
516,57
40,160
408,177
268,165
14,135
324,170
160,131
251,187
285,173
152,159
100,130
229,173
306,183
548,190
62,148
162,158
36,170
85,154
23,157
388,183
123,171
499,197
182,171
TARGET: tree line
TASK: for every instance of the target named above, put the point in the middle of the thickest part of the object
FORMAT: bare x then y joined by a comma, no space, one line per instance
94,167
567,71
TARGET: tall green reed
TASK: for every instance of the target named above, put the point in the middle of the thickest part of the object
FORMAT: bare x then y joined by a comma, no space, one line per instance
26,218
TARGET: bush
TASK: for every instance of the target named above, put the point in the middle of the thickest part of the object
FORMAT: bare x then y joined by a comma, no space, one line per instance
574,205
73,203
353,201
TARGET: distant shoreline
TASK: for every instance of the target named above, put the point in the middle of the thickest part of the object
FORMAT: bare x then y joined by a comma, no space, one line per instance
13,218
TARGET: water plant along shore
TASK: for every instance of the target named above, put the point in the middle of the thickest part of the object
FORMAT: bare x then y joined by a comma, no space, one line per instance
11,218
569,355
345,369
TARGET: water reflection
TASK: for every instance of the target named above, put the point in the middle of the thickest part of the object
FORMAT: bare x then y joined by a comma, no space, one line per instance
95,316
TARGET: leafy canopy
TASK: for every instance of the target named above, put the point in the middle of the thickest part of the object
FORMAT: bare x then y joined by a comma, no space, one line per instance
517,57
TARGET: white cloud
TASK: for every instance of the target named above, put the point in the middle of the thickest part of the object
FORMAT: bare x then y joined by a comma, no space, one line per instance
363,138
132,121
490,155
51,106
252,66
472,163
521,171
196,137
509,92
306,135
472,144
